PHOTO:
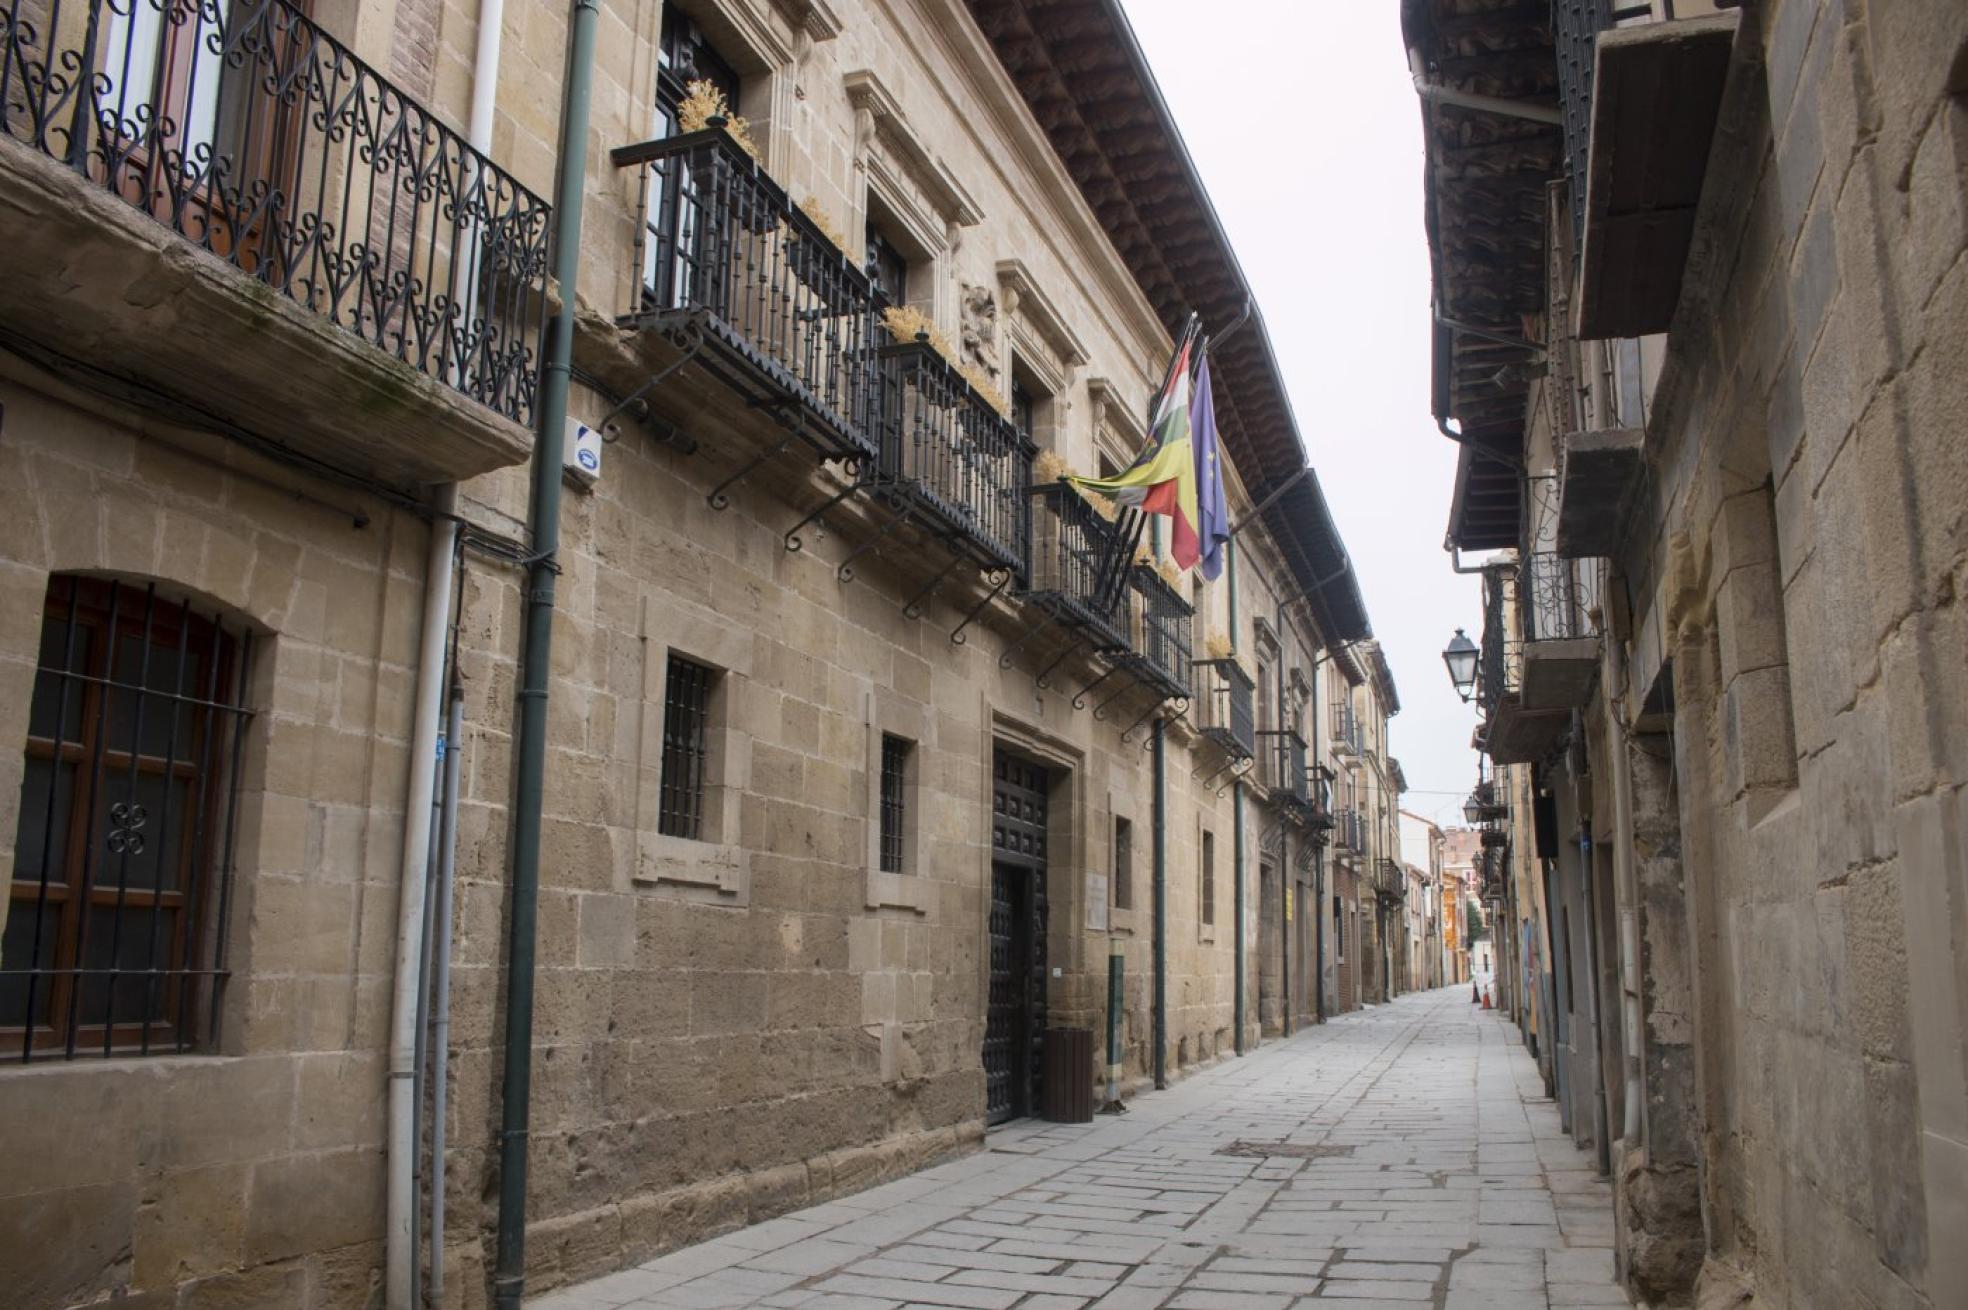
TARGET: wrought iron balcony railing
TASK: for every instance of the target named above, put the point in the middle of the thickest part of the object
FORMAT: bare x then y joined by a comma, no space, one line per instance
1500,655
1347,736
953,461
1559,598
1576,27
1229,706
1161,632
774,308
1346,830
1392,882
1074,567
254,135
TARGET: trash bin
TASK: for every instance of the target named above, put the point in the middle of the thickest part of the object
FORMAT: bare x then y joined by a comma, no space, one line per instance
1069,1075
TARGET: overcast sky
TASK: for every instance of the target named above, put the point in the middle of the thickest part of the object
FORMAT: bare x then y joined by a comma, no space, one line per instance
1303,122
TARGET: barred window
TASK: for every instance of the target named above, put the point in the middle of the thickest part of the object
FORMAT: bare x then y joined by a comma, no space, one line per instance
686,747
895,753
1123,864
1209,878
115,927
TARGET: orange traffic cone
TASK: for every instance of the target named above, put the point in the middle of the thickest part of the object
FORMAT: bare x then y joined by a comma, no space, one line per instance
1486,999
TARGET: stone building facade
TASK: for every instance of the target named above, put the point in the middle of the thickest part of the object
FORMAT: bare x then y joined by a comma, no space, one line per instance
868,742
1705,370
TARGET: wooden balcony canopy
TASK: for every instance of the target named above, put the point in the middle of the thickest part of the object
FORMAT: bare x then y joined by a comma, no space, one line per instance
1484,207
1084,78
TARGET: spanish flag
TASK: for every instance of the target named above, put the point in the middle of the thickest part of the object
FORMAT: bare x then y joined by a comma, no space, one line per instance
1163,479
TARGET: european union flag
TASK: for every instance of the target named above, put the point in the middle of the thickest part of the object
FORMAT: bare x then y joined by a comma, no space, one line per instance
1212,513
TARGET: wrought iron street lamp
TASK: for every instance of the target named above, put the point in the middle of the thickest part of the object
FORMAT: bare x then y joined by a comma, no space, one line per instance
1461,658
1474,810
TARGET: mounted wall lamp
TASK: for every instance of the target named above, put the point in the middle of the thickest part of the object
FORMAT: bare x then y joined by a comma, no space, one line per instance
1461,659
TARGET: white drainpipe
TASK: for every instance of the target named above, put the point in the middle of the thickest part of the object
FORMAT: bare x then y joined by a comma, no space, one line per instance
400,1228
1435,93
399,1261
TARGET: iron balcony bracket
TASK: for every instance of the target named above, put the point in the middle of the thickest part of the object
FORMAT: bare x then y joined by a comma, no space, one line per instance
1236,774
1046,673
1134,680
1150,713
999,578
1219,771
1046,616
912,609
689,338
717,500
1079,701
794,543
846,570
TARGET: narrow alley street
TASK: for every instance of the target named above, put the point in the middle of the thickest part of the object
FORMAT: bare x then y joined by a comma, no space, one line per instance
1400,1156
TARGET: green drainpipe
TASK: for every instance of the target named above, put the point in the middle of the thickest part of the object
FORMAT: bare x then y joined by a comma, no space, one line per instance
509,1275
1160,743
1236,803
1237,871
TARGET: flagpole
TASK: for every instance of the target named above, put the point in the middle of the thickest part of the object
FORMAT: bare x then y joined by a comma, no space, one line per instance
1108,586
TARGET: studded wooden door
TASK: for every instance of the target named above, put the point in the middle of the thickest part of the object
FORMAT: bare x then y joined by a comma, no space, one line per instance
1015,1021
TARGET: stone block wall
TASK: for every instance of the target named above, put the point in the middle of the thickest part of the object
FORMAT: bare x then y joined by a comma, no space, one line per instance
253,1174
1808,556
725,1029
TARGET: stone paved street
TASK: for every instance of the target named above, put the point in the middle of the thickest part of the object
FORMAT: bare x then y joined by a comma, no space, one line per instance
1399,1157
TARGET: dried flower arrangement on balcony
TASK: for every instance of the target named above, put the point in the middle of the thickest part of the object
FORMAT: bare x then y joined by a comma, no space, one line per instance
1049,467
816,214
906,323
1164,568
704,102
1217,646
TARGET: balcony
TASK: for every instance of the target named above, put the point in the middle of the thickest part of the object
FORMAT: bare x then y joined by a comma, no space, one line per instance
1160,634
949,460
1642,103
1390,880
1598,473
1529,688
230,215
1075,573
1229,710
1349,832
1347,735
735,277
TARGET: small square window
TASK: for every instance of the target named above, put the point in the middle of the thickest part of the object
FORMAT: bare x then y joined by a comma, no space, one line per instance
895,753
686,747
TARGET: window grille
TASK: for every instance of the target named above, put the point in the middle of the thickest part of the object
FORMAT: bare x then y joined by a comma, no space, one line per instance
686,738
1123,864
115,936
894,777
1209,878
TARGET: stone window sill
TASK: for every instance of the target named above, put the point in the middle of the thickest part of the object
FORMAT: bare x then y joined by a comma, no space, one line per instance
899,891
708,872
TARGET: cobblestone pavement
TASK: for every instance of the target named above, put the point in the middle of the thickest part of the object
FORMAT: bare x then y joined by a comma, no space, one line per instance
1400,1157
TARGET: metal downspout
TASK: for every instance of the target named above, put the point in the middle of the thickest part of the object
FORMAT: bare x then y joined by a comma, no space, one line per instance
1236,810
1286,939
1158,741
440,1037
413,918
1318,874
1237,869
509,1277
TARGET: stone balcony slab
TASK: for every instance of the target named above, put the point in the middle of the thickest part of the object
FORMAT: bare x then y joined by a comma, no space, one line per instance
98,284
